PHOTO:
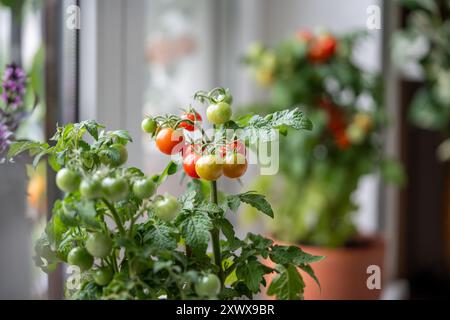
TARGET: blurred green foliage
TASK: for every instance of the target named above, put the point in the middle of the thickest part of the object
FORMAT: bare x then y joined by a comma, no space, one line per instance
424,44
320,170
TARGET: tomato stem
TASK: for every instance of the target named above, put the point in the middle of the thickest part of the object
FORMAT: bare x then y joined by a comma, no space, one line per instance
215,236
116,217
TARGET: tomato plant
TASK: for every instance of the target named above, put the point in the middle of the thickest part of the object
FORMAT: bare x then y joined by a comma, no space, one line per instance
132,242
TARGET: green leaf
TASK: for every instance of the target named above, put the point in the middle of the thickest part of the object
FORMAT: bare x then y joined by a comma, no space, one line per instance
233,202
292,255
170,169
307,268
160,236
18,147
87,213
263,128
287,285
195,230
46,258
92,127
251,274
122,136
212,209
188,200
227,228
257,201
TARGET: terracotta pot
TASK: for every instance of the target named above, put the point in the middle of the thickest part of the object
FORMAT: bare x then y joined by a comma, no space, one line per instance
343,273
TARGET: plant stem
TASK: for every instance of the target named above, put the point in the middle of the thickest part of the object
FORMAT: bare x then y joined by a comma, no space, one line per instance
215,235
116,217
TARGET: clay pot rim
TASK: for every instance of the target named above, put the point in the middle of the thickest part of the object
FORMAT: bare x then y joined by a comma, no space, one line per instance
374,241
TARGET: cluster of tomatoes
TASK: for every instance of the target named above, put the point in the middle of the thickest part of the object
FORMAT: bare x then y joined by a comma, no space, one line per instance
346,134
336,123
202,159
320,48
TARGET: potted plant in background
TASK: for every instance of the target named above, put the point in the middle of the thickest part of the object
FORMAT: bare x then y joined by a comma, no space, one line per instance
321,170
422,46
122,240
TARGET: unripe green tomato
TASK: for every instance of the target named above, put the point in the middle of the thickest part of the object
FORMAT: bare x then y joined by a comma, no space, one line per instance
80,257
149,126
144,188
99,245
91,188
219,113
68,180
115,189
166,207
103,276
208,286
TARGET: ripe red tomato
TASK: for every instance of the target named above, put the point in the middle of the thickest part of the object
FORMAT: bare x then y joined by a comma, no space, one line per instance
189,162
322,48
168,139
193,116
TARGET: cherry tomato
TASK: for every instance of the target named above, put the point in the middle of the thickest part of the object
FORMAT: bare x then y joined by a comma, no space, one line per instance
80,257
219,113
166,207
68,180
209,167
193,116
149,126
115,189
99,245
235,166
322,48
103,276
168,139
91,188
208,286
189,162
144,188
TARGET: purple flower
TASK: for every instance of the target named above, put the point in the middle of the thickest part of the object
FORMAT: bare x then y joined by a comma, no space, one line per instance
14,82
5,139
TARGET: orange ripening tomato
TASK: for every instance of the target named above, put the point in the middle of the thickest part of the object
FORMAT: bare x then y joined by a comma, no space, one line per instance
168,140
193,116
235,166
